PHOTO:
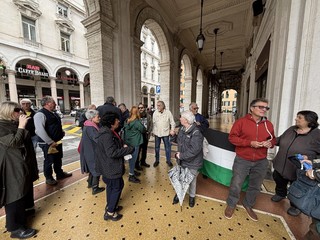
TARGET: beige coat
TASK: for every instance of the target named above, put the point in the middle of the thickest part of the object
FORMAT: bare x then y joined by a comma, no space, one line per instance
163,123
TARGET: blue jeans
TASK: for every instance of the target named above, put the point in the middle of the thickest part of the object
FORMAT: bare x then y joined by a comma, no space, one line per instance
132,161
167,146
241,169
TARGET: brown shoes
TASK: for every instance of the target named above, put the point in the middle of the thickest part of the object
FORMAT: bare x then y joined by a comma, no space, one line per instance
251,213
228,212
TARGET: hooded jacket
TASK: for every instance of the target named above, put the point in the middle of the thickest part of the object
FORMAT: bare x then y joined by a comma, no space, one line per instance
190,144
245,130
109,154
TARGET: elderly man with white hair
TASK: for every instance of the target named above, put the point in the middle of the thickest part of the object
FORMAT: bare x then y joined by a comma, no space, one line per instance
26,107
190,153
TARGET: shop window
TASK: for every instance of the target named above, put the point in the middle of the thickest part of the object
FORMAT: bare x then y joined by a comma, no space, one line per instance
65,42
62,10
29,29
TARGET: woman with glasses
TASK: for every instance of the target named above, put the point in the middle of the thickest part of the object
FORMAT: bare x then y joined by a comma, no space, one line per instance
302,138
18,166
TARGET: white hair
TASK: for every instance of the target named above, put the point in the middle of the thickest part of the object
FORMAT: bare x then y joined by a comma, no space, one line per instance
91,114
188,115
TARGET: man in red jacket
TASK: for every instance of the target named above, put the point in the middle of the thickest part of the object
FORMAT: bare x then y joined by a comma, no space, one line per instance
252,135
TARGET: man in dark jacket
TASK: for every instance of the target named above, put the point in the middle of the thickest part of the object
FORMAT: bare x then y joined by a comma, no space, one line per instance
124,113
49,130
26,107
109,106
201,121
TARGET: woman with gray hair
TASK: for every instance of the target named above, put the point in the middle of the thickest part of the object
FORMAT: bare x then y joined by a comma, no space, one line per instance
190,153
87,150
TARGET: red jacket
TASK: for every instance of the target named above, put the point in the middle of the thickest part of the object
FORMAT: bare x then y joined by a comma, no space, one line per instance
246,130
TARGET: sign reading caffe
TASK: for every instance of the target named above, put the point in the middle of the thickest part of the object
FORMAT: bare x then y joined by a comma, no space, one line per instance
32,70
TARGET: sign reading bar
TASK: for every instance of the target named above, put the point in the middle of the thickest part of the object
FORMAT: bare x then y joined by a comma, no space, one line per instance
32,70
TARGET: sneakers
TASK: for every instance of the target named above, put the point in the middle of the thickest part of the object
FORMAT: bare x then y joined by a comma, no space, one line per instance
23,233
292,211
175,199
251,213
133,179
155,164
145,165
51,181
276,198
170,164
138,168
191,201
112,216
228,212
64,175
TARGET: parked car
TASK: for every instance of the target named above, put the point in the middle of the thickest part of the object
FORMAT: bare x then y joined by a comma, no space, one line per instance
73,112
77,115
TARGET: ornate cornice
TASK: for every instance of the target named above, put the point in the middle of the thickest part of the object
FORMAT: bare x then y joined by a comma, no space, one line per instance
28,8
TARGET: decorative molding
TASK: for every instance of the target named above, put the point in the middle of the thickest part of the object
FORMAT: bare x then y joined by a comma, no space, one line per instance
65,26
28,8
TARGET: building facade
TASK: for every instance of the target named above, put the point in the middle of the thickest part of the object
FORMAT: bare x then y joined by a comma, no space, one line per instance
43,51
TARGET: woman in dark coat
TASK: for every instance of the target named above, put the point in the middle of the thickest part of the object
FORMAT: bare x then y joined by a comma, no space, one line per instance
110,163
18,168
304,139
190,151
87,150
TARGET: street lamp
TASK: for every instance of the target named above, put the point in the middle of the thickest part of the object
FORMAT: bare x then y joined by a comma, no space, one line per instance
214,69
200,39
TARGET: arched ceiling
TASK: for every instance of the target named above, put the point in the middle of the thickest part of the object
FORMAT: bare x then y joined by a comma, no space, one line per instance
232,17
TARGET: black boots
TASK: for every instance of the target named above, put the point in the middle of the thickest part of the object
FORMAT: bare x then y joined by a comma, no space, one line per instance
95,185
191,201
175,199
133,179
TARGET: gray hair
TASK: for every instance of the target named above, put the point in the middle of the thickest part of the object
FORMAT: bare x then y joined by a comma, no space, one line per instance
192,104
45,100
7,109
91,113
188,115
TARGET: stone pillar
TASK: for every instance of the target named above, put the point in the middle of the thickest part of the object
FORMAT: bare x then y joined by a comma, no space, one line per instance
165,70
66,99
82,96
2,90
187,92
53,86
100,48
12,85
137,44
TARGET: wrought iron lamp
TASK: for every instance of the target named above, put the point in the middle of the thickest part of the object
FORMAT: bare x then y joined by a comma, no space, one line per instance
200,39
220,79
214,69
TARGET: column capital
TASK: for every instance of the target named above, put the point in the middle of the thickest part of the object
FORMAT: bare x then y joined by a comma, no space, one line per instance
52,78
10,72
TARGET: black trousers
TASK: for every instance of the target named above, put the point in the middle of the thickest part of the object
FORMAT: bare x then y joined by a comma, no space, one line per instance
114,189
15,214
143,151
52,159
281,184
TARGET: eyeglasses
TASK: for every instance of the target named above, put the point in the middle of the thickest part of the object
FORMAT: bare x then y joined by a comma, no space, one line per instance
196,108
17,110
262,108
140,107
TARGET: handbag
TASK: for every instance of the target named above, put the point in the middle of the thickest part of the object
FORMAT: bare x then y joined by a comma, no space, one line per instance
304,193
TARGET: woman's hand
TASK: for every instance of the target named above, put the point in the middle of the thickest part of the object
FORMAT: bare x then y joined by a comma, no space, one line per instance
307,161
309,173
23,119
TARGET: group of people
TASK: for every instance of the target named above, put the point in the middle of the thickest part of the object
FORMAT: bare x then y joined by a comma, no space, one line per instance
111,134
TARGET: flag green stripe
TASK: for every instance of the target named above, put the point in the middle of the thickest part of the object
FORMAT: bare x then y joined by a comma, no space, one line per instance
219,174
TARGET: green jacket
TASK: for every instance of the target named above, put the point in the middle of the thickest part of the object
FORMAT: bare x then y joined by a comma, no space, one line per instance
133,133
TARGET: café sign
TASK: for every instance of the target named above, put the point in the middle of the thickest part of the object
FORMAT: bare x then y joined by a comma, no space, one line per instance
32,70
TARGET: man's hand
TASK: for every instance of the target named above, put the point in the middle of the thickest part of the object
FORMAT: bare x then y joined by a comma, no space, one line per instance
172,132
267,144
54,144
256,144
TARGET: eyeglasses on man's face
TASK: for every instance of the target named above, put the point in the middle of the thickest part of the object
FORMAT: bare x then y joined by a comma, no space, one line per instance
140,107
262,108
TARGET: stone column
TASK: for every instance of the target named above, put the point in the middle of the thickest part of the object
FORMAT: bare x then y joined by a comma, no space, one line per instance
100,48
66,99
137,44
53,86
2,89
12,85
187,92
165,70
82,97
